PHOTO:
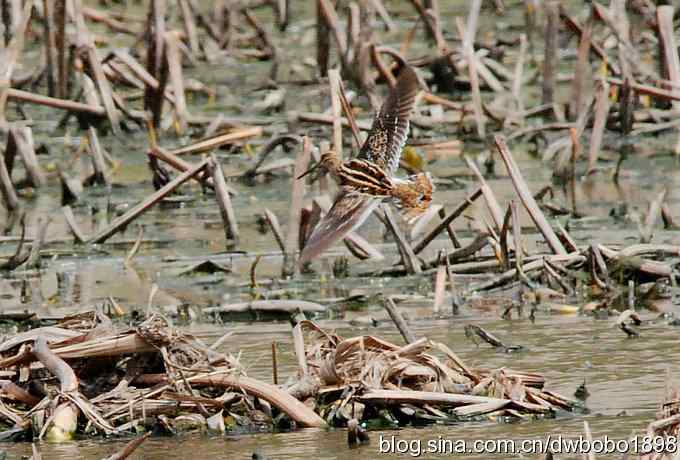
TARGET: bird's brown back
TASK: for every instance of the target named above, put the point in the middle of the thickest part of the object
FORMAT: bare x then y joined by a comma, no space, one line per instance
365,177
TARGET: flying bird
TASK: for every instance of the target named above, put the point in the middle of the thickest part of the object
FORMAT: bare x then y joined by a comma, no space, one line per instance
367,180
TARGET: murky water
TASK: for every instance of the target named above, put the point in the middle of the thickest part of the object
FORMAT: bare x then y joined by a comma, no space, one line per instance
626,378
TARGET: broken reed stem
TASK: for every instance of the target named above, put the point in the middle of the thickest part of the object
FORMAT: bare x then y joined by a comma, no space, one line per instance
39,240
594,46
277,397
60,44
439,284
72,224
670,53
552,14
275,366
122,221
190,30
399,321
427,239
580,72
408,257
334,86
11,57
455,298
517,235
156,63
174,57
56,365
328,120
653,214
491,201
223,200
503,237
50,47
527,198
62,104
135,247
182,165
519,71
219,140
330,16
297,195
65,417
273,222
469,54
299,347
351,119
22,139
601,112
6,21
323,41
9,193
353,30
86,42
384,15
129,448
450,230
100,175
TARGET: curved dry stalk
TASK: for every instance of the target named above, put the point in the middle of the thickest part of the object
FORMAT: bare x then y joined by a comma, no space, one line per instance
129,448
63,423
274,395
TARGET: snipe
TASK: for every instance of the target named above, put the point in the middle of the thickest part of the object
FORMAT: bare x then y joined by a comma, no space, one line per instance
368,179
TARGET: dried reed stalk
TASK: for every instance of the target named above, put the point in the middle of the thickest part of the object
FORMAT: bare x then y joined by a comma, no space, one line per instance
297,195
670,53
156,63
399,321
22,140
408,256
86,42
223,200
172,53
218,141
9,193
491,201
581,71
65,417
50,43
469,54
295,409
334,86
73,225
275,227
100,171
427,239
527,198
601,112
11,58
552,13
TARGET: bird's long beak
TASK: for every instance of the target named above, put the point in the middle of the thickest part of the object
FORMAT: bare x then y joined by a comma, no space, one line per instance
310,170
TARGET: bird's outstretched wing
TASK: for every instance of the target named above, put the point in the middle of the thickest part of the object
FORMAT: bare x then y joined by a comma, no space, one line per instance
350,209
390,128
